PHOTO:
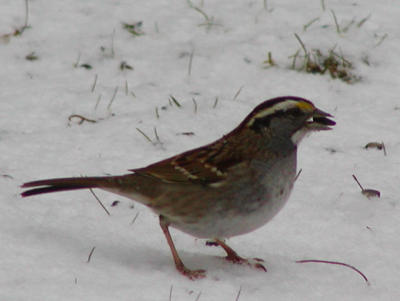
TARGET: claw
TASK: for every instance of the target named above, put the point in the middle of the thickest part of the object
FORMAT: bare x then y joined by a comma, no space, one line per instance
259,259
240,260
260,267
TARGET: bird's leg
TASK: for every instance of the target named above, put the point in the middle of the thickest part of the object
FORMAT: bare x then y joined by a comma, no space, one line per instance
232,256
191,274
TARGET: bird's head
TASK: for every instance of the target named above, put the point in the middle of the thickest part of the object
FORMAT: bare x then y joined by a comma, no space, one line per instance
287,116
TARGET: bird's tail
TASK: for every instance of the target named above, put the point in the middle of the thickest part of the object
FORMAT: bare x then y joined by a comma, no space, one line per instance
64,184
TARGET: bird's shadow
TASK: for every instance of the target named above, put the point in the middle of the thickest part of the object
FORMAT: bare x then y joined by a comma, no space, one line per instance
136,256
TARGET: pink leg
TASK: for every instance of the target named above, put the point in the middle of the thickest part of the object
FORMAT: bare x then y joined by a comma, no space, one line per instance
191,274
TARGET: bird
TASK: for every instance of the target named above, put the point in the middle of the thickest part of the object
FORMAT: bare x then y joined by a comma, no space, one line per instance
226,188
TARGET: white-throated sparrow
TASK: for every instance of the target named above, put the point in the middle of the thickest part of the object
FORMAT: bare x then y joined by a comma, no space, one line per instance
226,188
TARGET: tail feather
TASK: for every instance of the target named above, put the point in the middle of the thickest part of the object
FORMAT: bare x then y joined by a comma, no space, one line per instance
63,184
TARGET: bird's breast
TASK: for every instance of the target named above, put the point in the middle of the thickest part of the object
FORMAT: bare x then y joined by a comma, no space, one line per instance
242,204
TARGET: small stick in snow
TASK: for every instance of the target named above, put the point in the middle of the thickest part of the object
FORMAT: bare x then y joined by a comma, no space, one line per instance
134,219
26,15
265,4
112,98
336,263
94,83
215,102
298,175
305,27
90,254
198,297
301,44
82,118
195,105
238,294
97,102
156,135
98,200
112,43
77,60
186,133
190,63
361,23
377,145
175,101
369,193
336,22
144,135
126,88
237,93
323,5
170,293
381,40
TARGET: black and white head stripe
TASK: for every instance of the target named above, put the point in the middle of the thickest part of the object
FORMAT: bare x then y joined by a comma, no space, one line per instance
277,106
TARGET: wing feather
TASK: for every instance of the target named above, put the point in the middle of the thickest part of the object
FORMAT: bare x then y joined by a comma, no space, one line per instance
205,165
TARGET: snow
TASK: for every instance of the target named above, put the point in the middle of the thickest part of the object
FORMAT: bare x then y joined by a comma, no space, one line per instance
45,241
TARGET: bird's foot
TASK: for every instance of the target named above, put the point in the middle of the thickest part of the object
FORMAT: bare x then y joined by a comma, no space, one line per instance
233,257
192,274
252,262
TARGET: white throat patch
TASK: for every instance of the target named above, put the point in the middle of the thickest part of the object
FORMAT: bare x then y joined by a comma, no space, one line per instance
299,135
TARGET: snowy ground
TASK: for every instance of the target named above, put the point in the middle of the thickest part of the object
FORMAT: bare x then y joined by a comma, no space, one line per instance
45,241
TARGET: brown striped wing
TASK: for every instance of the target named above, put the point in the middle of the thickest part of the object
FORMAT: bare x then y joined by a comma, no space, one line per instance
205,165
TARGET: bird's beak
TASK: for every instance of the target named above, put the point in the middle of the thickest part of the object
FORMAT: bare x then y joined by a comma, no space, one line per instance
319,121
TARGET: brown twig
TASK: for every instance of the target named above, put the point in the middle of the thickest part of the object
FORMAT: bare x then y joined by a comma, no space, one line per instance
336,263
82,118
359,184
377,145
368,192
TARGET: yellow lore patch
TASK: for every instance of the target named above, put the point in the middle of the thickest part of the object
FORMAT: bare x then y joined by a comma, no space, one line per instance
305,106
